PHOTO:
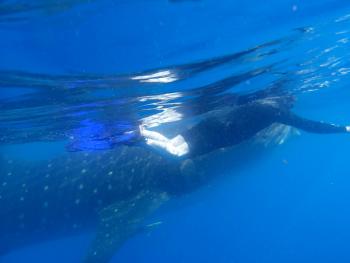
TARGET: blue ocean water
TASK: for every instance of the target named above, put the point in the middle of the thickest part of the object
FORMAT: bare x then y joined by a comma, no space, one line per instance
288,203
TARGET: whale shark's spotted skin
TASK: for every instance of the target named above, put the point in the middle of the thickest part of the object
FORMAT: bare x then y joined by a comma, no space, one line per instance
112,191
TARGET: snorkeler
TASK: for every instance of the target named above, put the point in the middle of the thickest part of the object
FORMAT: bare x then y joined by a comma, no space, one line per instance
241,123
243,117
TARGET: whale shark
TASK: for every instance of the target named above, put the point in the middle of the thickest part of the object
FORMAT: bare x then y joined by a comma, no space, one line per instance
111,191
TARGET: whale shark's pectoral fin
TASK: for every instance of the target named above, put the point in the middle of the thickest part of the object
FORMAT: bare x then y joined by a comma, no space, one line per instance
120,221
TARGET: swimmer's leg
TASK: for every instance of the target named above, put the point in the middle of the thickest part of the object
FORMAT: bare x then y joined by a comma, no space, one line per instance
176,146
153,135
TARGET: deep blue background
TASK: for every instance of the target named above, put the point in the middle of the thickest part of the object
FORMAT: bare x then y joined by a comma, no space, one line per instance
290,205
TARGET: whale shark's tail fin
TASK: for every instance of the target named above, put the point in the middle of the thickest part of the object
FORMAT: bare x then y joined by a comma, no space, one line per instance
120,221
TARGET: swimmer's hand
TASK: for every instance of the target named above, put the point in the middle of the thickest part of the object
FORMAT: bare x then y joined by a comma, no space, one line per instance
347,128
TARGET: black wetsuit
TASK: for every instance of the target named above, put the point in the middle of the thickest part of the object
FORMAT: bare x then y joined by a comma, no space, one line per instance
245,121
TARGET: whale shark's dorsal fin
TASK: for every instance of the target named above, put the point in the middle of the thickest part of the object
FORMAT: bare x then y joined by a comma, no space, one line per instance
120,221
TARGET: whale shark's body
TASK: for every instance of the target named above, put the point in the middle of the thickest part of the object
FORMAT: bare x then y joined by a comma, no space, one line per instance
113,191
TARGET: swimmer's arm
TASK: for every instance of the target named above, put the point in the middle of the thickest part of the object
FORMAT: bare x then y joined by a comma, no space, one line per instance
294,120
